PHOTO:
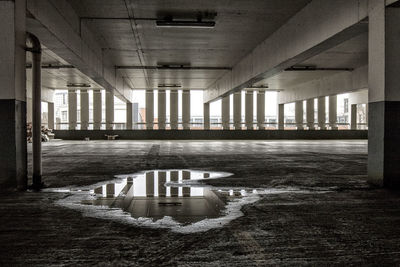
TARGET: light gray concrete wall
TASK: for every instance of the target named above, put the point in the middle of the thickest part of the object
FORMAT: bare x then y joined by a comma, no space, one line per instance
306,34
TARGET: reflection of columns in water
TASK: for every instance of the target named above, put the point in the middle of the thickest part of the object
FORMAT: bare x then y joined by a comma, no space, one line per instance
150,184
174,178
110,190
186,190
162,178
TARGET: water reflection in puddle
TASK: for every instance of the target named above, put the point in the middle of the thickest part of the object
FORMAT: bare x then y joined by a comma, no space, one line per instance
165,199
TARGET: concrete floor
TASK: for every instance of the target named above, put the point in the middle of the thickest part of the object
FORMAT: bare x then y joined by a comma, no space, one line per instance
353,224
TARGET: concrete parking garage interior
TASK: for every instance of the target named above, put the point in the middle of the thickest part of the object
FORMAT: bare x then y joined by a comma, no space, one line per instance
193,133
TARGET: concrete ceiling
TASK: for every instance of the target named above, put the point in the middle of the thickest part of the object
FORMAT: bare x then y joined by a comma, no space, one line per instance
350,54
127,33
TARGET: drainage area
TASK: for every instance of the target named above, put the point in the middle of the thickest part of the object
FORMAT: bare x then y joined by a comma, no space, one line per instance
176,199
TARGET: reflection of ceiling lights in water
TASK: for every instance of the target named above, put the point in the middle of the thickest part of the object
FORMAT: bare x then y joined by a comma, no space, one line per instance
172,199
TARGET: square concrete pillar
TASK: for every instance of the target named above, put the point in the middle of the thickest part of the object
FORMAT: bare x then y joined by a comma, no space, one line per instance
225,113
249,110
84,110
129,116
97,109
321,113
72,109
186,109
299,113
384,95
50,109
149,109
353,117
162,179
310,110
237,110
206,116
281,116
162,106
333,112
174,177
150,184
13,145
173,109
261,110
109,110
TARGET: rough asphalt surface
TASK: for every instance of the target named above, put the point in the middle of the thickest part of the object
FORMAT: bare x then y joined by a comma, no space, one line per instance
354,224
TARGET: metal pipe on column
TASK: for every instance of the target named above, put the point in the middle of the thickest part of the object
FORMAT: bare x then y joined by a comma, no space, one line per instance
36,51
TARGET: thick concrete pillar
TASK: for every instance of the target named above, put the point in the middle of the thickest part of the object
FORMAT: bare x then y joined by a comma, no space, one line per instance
310,113
384,95
353,117
13,148
186,109
84,110
174,177
299,113
225,113
162,179
97,107
129,118
321,113
50,118
109,110
281,116
149,109
150,184
206,116
135,115
237,110
261,110
72,109
333,112
162,106
173,109
249,110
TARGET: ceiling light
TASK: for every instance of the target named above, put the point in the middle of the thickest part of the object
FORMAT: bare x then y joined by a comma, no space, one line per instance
185,23
78,85
169,85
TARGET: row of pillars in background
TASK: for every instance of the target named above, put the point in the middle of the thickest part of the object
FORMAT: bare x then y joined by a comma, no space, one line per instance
237,111
310,121
162,109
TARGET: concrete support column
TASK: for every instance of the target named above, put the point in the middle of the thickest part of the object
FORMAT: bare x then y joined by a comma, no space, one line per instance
72,109
173,109
383,95
97,107
353,117
13,147
310,113
281,116
299,113
237,110
84,110
186,109
321,113
225,113
50,118
206,112
149,109
129,115
109,110
261,110
333,112
162,106
249,110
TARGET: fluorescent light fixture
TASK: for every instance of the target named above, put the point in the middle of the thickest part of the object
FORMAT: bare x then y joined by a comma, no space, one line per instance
185,23
169,85
78,85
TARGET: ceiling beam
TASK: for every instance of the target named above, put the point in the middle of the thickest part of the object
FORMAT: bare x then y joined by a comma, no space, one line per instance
170,68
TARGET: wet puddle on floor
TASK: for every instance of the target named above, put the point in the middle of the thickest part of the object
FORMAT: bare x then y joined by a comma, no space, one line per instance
174,199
